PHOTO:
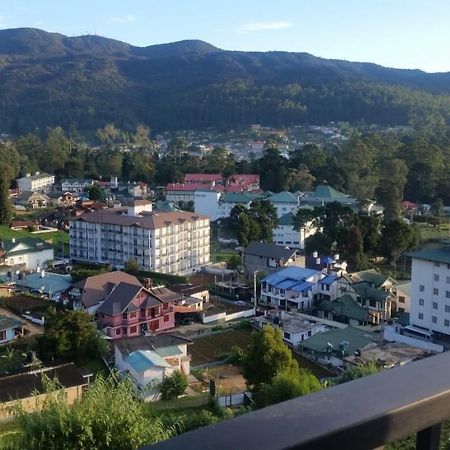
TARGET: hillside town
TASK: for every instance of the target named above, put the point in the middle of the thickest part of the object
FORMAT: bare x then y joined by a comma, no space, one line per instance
177,291
235,241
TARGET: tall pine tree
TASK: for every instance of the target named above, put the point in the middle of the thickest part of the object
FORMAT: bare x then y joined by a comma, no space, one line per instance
6,212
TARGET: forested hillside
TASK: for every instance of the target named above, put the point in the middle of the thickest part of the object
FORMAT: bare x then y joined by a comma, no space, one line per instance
48,79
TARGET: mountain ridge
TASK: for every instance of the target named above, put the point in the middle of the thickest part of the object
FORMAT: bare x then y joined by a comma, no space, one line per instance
51,79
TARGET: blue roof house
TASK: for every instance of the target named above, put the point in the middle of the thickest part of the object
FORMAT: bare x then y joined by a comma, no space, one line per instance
292,288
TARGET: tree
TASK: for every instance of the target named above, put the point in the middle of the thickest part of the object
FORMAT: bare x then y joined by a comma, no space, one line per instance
131,266
359,372
355,250
273,170
108,416
266,356
397,238
173,386
55,150
285,385
142,136
391,187
438,207
95,193
265,218
6,212
70,335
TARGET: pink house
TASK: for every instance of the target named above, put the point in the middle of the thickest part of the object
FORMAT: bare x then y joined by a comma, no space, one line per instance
131,310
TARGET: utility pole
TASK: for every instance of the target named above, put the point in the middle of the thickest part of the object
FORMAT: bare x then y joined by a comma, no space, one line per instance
254,290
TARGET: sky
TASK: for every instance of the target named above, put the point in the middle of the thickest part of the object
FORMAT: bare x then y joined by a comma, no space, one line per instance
412,34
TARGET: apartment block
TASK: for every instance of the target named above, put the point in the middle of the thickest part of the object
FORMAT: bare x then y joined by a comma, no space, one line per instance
37,182
430,289
175,242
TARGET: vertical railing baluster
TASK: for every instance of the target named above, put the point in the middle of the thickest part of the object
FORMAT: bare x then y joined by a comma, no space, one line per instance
429,439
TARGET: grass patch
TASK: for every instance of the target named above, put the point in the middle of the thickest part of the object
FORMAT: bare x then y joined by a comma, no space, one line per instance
181,404
53,238
97,366
216,347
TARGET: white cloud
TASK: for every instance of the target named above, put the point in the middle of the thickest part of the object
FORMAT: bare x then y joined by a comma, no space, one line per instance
123,19
252,27
2,22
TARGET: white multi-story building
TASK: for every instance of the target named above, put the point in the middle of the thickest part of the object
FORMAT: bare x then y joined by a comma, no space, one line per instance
207,203
168,242
285,202
430,289
76,185
285,234
37,182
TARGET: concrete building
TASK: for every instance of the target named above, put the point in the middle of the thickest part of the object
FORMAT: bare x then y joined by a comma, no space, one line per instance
266,258
295,328
285,202
26,253
37,182
207,203
403,297
28,389
147,360
430,289
285,234
169,242
76,185
292,288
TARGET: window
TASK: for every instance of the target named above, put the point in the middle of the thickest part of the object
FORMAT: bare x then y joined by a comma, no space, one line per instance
436,264
309,333
287,335
435,291
447,308
166,318
401,299
3,335
435,305
421,302
133,329
447,294
448,280
132,315
436,277
422,288
117,331
124,316
446,323
420,316
434,319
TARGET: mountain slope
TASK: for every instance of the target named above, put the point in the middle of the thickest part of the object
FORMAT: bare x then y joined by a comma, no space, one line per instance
49,79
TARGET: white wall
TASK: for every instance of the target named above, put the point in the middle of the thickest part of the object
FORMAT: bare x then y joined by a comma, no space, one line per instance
391,335
286,235
207,204
31,260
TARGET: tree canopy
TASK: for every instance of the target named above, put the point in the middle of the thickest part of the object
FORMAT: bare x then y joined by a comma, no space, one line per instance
70,335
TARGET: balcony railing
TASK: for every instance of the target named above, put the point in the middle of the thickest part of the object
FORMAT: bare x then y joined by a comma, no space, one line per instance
363,414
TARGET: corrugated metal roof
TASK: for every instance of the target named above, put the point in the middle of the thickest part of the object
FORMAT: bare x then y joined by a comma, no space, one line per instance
143,360
166,352
289,273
